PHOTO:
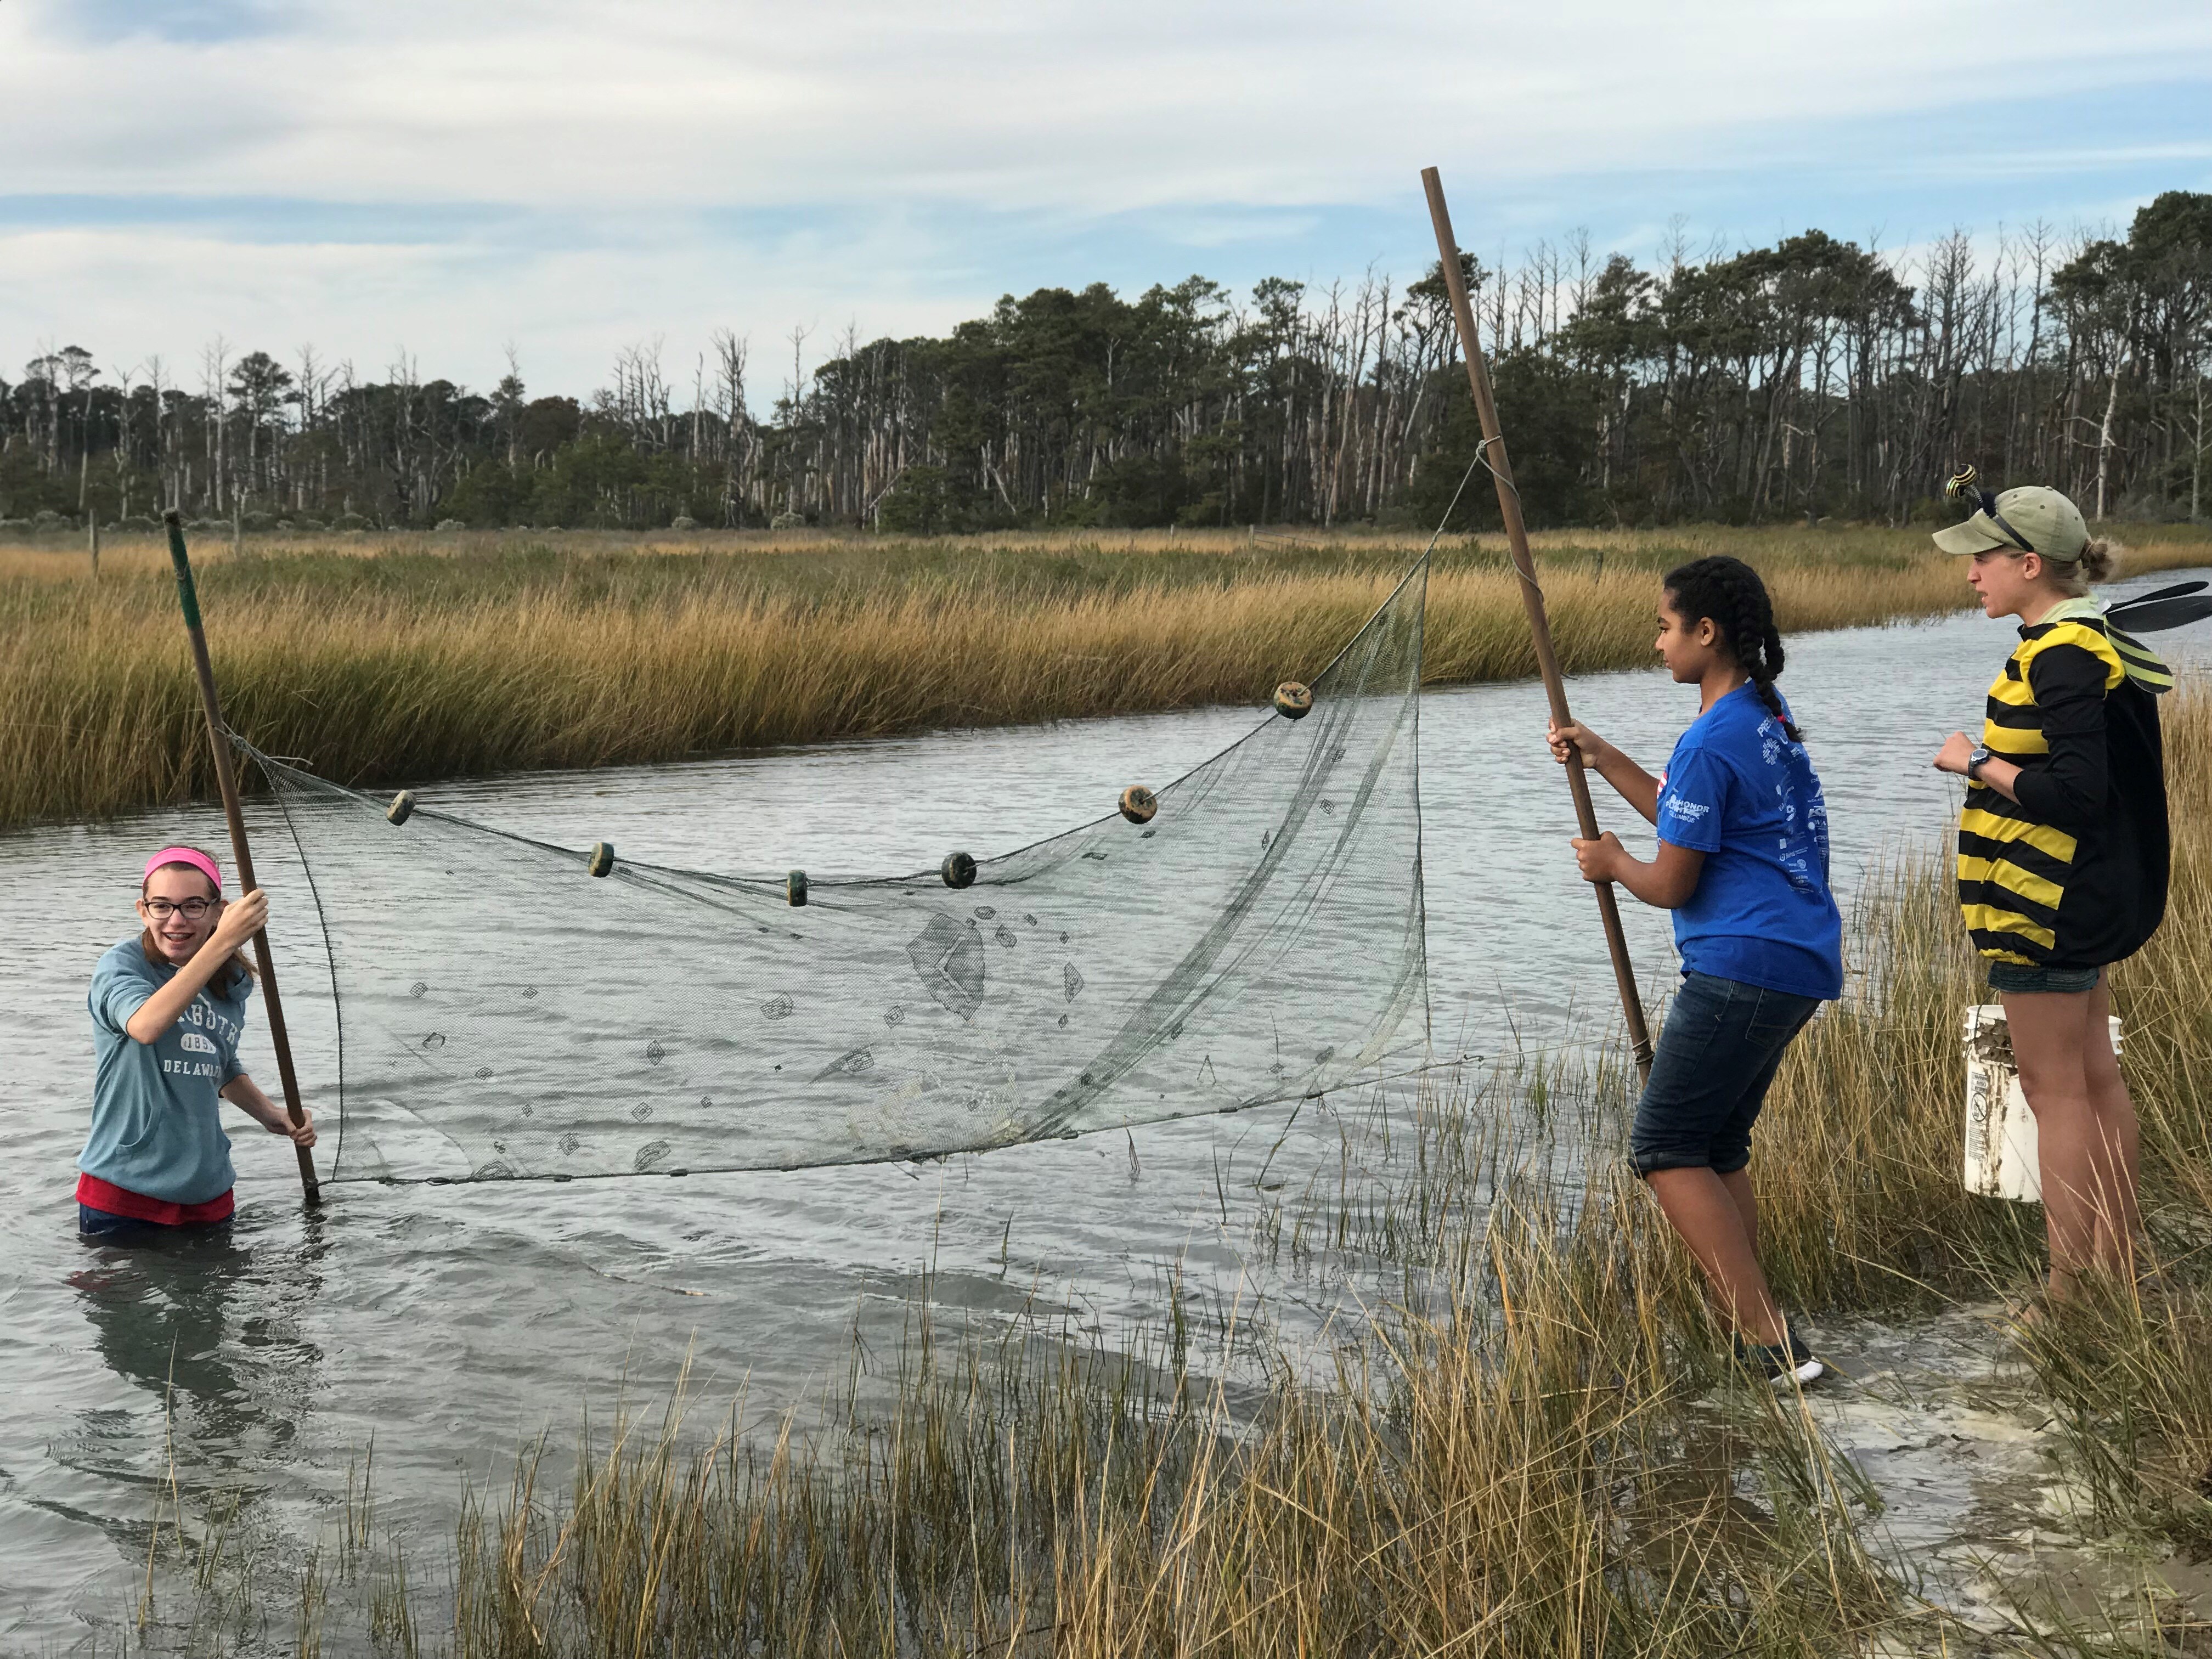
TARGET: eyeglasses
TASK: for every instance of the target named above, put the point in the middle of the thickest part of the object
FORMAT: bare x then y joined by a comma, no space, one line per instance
161,909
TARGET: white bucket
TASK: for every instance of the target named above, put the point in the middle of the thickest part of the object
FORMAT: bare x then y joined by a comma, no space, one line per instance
2002,1158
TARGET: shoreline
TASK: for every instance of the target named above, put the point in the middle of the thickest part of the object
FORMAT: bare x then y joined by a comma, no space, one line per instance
1532,1435
439,657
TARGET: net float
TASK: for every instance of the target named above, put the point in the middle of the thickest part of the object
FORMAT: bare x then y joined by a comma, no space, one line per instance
1293,702
1138,804
602,859
401,807
958,869
794,888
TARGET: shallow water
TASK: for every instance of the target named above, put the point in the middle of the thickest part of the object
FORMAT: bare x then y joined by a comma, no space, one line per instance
454,1322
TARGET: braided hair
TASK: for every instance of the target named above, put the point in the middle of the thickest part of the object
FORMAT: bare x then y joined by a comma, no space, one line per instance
1728,593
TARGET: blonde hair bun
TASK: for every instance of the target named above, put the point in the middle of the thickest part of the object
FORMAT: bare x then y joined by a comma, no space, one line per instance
2099,558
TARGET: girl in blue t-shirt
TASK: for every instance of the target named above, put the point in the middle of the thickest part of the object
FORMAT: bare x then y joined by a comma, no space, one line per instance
1743,861
167,1006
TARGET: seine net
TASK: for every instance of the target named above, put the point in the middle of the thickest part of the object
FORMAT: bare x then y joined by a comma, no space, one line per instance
1258,940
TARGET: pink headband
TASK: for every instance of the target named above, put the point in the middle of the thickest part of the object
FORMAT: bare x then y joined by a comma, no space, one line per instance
199,862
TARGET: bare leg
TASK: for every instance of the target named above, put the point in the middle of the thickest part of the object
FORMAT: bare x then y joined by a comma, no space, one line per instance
2081,1156
1701,1207
2118,1138
1738,1182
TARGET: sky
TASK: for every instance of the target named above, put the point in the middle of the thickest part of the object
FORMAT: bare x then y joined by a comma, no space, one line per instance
450,178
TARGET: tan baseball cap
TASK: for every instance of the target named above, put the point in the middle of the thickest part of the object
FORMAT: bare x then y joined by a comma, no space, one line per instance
2033,519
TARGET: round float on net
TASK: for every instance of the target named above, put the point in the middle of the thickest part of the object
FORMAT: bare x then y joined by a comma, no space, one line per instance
401,807
602,859
958,869
1292,701
1138,804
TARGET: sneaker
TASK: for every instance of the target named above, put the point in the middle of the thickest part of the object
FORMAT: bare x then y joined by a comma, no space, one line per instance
1783,1365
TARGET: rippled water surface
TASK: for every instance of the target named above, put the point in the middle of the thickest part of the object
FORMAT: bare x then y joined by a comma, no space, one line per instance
454,1321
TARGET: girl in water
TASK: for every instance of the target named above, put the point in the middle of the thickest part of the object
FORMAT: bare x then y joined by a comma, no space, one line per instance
169,1004
2063,854
1743,861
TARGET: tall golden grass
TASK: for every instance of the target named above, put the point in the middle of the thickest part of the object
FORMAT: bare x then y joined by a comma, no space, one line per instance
1872,1090
413,659
1865,1206
2129,1373
1672,542
1529,1449
1523,1465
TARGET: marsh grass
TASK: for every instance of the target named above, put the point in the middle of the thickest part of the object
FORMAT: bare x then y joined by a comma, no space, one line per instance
405,660
2129,1371
1867,1209
1518,1440
1527,1470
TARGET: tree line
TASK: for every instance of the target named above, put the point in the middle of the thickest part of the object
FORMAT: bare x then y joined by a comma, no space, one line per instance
1814,378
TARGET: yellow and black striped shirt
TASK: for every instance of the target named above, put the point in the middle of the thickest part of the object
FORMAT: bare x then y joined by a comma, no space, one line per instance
2074,873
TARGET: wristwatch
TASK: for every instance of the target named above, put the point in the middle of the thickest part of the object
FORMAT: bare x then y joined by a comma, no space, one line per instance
1974,763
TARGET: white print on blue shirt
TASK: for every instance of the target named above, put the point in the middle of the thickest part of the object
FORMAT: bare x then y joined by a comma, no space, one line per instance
1792,847
202,1012
156,1124
1740,790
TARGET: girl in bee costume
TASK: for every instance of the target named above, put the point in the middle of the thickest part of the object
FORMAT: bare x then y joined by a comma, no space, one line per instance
2062,849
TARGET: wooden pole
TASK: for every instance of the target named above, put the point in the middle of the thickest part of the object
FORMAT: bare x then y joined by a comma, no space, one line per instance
225,776
1532,598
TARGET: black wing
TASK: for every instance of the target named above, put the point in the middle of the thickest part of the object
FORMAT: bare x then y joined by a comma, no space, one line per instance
2155,613
2161,593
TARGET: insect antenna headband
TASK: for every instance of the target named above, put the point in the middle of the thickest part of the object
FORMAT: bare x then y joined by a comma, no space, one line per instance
1967,481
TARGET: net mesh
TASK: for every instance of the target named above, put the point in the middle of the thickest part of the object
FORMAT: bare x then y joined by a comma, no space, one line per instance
503,1014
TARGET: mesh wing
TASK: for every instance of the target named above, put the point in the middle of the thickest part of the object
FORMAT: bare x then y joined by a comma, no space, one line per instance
1259,939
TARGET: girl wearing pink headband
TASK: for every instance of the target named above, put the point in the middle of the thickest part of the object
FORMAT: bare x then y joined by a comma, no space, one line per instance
203,862
168,1006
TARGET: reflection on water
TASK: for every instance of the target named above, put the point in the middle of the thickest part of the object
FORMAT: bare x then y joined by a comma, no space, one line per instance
454,1322
214,1328
197,1373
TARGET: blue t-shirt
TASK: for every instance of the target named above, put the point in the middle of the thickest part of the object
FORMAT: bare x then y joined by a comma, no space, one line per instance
156,1107
1739,791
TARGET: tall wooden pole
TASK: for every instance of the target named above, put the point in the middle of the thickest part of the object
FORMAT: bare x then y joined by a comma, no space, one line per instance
1532,598
226,777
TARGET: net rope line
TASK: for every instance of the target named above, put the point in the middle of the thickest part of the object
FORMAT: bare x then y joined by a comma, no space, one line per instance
1260,943
365,988
769,885
1455,1064
1482,461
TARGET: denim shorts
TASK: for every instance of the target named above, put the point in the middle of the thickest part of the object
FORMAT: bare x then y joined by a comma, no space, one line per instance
2024,978
121,1228
1718,1052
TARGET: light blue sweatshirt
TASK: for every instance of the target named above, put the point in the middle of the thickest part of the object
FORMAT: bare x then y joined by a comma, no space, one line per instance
156,1107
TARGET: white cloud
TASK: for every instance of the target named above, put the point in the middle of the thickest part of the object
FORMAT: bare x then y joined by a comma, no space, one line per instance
578,176
999,106
128,295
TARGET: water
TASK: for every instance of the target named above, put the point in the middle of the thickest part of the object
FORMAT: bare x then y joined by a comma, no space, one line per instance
455,1322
